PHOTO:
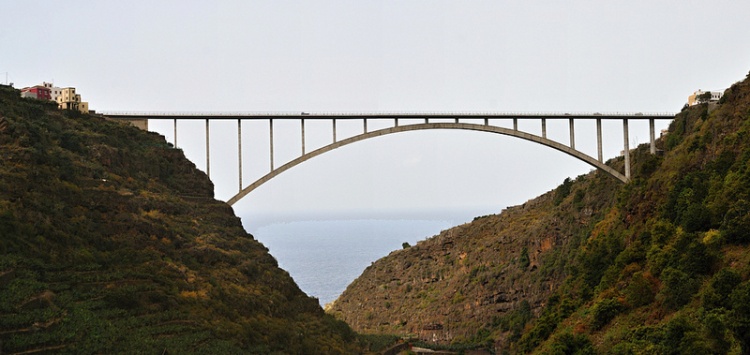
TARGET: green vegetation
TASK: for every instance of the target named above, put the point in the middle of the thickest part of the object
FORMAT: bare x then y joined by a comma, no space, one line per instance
659,265
112,243
563,191
514,321
704,97
670,259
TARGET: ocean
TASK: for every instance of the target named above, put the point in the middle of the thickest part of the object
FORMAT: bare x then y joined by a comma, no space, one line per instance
325,256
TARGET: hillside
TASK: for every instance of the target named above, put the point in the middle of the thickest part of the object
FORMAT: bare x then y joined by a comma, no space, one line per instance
659,265
441,288
111,242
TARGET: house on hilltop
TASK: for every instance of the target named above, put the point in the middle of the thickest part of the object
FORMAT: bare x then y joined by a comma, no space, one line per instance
700,97
38,92
69,100
66,98
54,90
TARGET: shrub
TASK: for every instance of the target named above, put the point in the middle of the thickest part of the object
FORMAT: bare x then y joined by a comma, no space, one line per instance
604,311
717,293
562,191
515,320
696,258
740,316
736,225
677,288
715,325
640,290
567,343
662,231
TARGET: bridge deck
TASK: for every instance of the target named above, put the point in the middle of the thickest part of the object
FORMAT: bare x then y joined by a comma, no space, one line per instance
359,116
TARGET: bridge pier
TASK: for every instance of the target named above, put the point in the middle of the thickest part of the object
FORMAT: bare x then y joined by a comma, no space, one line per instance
599,138
653,135
302,133
270,133
174,125
208,156
544,128
572,133
626,151
239,149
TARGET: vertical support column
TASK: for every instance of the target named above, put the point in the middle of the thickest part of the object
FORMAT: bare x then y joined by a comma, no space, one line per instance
175,132
395,122
302,133
426,120
208,155
486,121
544,128
572,133
239,149
270,133
599,138
456,119
653,135
334,130
364,120
515,124
626,152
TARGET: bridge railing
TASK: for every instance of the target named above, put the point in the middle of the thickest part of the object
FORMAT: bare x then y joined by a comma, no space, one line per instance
187,115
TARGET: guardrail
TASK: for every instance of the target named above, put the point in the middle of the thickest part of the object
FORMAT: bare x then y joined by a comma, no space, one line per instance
384,115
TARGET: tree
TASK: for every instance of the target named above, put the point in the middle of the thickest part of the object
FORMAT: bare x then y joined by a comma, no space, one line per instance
677,288
704,97
740,316
604,311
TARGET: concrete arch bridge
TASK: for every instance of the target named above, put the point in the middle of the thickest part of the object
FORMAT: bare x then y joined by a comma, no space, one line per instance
403,122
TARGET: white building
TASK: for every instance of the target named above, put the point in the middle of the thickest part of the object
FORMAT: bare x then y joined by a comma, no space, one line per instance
54,90
694,98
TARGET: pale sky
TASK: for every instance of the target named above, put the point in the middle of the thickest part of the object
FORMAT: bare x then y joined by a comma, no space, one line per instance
364,56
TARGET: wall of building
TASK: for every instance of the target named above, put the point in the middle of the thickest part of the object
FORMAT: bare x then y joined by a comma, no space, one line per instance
69,100
36,92
54,90
693,99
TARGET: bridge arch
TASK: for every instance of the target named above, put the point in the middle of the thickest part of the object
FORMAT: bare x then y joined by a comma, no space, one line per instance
425,126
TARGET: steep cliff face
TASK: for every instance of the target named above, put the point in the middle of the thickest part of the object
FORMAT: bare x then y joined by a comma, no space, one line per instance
111,242
658,265
445,288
